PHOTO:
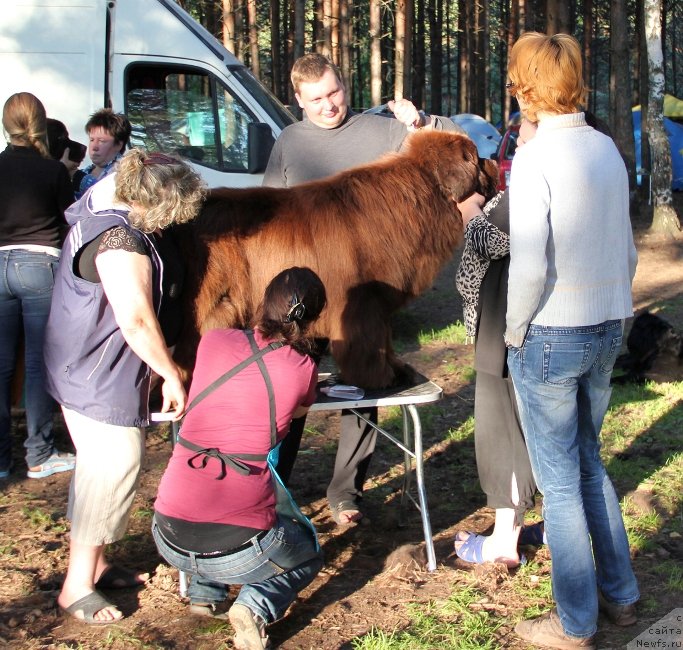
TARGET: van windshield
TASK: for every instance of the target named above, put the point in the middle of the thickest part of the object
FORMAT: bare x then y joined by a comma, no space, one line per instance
279,114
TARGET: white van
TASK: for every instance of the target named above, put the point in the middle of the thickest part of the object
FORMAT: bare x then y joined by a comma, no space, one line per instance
181,89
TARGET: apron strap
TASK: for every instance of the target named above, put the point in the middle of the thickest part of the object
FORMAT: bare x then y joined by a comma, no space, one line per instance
238,368
227,460
269,387
202,455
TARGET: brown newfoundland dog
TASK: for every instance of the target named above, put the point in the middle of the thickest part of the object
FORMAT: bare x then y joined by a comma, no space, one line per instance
377,235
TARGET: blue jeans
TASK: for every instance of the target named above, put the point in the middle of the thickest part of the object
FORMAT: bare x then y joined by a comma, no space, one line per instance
562,379
26,281
273,571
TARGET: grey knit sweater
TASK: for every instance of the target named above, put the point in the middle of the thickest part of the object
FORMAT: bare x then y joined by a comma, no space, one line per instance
572,257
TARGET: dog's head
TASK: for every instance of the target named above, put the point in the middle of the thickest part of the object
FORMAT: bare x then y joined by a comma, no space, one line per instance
453,161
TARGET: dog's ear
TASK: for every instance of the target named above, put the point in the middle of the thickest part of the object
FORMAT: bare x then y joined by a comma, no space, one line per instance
458,171
488,178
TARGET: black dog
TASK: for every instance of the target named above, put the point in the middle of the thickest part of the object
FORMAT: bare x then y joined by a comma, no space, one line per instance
655,351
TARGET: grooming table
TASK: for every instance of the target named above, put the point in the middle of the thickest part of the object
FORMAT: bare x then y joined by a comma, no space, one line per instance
407,397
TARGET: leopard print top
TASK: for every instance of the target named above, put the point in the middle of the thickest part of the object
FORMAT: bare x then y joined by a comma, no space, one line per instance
483,242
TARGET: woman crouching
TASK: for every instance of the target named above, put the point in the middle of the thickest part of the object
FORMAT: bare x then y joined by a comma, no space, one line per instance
222,514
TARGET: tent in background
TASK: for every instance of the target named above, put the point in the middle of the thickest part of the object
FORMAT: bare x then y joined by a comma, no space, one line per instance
673,108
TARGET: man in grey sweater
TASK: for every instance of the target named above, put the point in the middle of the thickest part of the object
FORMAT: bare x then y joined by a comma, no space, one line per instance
330,139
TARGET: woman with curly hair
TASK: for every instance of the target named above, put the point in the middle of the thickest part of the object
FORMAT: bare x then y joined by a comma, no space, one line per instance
103,341
34,192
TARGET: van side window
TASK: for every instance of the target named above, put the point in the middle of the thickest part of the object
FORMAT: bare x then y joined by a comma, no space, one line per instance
186,111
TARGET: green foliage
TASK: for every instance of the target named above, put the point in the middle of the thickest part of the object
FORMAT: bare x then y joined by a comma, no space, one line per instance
641,442
672,572
459,623
463,432
38,518
454,333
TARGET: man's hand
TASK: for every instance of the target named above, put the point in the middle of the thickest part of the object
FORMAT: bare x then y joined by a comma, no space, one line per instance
406,113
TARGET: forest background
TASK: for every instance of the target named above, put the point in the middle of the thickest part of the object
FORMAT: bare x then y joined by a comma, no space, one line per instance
450,56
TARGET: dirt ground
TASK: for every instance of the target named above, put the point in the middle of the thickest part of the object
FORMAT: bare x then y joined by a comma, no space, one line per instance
372,570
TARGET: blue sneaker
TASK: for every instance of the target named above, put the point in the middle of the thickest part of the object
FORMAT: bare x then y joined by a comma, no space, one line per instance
60,461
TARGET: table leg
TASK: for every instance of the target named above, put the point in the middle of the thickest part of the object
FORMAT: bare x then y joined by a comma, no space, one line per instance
421,491
407,463
412,449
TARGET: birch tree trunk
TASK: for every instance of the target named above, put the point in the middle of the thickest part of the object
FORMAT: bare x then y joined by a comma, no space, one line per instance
664,218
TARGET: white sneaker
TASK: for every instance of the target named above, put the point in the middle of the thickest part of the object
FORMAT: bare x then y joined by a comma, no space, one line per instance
250,629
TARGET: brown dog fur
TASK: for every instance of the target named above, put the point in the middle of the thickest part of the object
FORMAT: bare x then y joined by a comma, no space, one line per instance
377,235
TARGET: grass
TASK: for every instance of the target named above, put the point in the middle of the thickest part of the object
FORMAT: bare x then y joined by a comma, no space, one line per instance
38,518
409,331
641,442
463,432
454,333
391,417
672,572
459,623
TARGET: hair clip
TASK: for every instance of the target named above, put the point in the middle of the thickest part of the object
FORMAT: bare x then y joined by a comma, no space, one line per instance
296,311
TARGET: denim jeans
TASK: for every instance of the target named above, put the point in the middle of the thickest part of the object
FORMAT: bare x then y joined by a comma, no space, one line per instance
273,571
26,281
562,379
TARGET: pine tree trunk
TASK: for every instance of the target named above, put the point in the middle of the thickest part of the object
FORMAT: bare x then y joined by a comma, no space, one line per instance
400,50
345,14
275,49
375,54
299,46
229,25
252,30
418,85
621,119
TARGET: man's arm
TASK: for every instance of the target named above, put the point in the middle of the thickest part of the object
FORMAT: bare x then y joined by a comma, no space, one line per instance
274,175
406,113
